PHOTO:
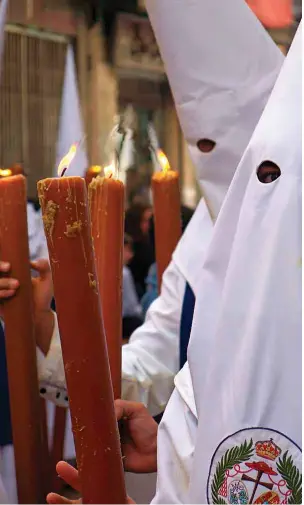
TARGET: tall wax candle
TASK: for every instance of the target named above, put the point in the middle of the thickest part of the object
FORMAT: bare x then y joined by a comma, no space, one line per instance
106,197
20,342
17,169
167,214
69,237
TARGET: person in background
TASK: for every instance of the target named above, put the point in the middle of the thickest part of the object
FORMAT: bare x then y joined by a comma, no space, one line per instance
131,309
137,225
151,289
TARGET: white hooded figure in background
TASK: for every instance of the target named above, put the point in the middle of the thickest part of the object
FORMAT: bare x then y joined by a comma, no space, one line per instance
71,129
152,357
237,406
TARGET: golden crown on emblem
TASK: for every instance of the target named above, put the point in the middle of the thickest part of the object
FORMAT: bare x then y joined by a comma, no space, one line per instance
267,449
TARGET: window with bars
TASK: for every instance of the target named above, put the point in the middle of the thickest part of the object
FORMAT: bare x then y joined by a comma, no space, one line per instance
30,97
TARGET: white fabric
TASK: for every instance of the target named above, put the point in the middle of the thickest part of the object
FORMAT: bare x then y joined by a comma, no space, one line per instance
3,494
70,125
245,348
192,247
221,66
177,440
37,242
8,488
69,447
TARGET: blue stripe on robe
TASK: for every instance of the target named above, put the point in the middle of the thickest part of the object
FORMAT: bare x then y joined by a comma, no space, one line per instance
5,418
185,330
186,324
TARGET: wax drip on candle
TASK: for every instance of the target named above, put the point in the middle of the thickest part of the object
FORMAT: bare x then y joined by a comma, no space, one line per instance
73,229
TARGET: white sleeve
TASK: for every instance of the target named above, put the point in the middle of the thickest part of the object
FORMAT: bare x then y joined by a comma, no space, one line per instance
149,361
174,459
42,245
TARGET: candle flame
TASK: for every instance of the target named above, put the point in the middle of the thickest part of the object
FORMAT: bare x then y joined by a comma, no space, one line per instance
163,160
109,171
5,172
95,169
67,159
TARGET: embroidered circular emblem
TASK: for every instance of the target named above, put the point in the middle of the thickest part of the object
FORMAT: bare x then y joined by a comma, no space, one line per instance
256,465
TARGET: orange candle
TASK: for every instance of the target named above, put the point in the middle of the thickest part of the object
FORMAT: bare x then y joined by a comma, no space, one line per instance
92,172
167,214
20,342
69,237
106,197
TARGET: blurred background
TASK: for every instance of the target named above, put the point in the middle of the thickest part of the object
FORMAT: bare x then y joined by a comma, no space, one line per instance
117,62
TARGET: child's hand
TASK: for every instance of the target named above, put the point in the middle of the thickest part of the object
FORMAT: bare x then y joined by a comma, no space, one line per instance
70,475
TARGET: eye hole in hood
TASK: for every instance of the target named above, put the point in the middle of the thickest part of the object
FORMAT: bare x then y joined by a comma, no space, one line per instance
268,172
206,145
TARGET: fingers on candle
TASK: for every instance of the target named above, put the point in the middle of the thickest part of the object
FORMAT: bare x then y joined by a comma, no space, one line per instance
54,498
42,266
4,267
119,409
69,474
8,287
125,409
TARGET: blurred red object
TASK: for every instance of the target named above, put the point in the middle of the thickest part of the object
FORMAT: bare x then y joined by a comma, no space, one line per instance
273,13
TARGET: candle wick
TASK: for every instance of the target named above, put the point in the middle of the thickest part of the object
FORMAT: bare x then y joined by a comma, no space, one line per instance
63,171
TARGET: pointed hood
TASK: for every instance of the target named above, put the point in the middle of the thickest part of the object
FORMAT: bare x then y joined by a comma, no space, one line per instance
70,124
